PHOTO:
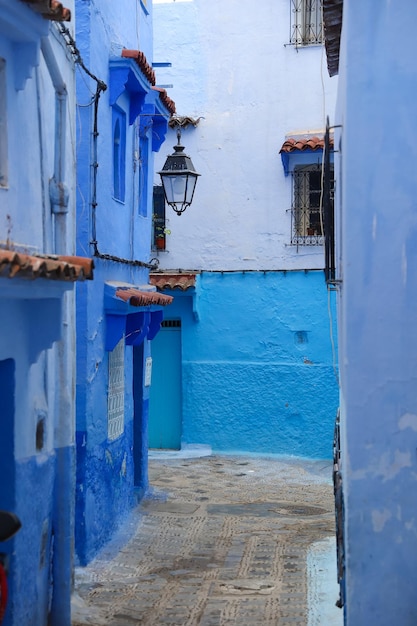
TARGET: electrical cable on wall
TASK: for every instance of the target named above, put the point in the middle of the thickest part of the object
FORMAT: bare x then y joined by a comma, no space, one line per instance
101,87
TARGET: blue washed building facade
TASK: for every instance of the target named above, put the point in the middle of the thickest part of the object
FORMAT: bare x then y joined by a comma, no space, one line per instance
38,270
376,218
122,120
252,330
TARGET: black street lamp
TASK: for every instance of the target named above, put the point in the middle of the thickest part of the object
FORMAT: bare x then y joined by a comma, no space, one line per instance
178,178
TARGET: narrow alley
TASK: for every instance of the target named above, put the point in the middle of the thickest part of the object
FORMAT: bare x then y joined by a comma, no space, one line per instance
220,540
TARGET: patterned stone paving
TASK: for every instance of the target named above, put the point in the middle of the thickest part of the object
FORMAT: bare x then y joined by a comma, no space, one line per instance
219,541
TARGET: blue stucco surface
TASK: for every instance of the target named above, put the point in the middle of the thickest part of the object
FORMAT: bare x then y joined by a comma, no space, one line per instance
111,474
105,469
376,189
258,366
32,554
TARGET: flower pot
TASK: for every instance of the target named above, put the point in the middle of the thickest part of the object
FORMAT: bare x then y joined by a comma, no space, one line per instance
160,243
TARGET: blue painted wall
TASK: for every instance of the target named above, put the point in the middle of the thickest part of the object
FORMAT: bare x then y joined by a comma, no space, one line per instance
37,317
111,474
258,372
376,190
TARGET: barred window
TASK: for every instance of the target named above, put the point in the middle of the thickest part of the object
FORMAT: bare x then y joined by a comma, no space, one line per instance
116,392
306,27
306,210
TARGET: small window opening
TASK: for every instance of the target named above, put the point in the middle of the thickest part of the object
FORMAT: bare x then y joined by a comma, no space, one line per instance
159,219
307,217
119,154
306,26
40,434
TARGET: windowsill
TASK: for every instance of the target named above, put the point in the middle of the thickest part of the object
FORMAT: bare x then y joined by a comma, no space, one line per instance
123,202
301,46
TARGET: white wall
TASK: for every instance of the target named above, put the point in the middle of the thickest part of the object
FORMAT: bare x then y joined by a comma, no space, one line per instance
231,65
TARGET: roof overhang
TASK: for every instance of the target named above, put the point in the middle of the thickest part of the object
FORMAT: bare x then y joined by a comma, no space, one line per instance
131,73
173,280
301,143
52,267
132,312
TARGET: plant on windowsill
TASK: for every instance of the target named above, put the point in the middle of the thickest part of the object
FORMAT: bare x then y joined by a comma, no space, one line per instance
160,233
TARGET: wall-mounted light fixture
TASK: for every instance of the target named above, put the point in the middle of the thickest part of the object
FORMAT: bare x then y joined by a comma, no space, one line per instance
178,178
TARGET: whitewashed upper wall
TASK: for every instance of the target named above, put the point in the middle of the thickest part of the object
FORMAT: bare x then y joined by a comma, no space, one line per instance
232,65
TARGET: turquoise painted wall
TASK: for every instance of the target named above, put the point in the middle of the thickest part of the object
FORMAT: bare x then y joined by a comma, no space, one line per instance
258,366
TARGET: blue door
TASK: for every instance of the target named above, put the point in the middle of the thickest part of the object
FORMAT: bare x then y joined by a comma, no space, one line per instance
165,404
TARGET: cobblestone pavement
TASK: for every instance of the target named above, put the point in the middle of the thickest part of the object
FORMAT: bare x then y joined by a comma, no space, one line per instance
219,541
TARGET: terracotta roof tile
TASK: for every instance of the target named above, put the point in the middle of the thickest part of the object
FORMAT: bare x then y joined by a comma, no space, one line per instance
173,281
67,268
311,143
141,62
50,10
134,297
165,99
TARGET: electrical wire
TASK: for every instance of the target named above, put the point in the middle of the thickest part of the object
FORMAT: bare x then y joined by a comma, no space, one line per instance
100,88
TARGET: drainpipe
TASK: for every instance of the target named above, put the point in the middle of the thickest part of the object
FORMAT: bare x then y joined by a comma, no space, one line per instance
58,191
64,486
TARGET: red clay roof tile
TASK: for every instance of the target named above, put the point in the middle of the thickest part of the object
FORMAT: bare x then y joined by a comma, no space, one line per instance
147,70
143,298
311,143
173,281
141,62
67,268
165,99
50,10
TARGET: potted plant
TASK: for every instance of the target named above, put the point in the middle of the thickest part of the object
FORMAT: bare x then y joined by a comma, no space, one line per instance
160,233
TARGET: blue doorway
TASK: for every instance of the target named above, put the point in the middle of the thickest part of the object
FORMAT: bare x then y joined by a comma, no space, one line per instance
165,407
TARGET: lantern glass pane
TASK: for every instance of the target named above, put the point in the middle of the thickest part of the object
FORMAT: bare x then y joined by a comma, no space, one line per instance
175,187
190,188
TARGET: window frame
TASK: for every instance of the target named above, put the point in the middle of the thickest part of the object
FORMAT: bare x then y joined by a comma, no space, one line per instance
304,230
116,392
306,23
119,153
158,218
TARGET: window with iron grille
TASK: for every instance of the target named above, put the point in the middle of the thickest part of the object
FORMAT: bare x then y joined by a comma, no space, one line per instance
306,27
307,225
116,392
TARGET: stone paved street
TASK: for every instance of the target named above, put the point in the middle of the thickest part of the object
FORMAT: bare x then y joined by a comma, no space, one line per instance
219,541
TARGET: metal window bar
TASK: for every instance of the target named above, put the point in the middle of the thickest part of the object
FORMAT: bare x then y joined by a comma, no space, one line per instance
171,324
306,228
306,25
328,211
